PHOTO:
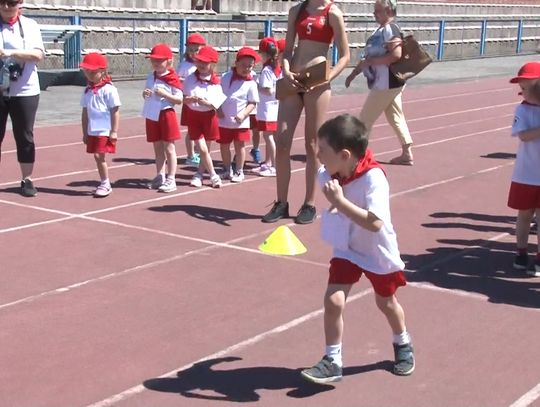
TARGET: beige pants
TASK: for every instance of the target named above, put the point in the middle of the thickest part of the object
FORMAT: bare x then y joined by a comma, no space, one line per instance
389,102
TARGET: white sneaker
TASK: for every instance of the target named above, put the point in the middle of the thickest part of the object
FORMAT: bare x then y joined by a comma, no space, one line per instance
168,186
238,176
268,172
156,182
216,181
196,181
226,173
103,190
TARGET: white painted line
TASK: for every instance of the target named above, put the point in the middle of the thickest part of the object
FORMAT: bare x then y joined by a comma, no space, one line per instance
233,348
528,398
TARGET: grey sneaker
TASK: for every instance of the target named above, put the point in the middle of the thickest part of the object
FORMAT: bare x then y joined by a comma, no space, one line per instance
306,215
27,188
404,359
521,262
535,271
156,182
279,211
326,371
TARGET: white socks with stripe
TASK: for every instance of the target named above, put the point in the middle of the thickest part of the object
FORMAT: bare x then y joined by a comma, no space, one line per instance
402,339
334,352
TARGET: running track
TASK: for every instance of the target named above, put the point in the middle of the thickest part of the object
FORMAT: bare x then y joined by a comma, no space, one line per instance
144,299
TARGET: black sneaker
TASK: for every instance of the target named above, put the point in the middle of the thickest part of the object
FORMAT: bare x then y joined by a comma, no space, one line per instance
27,188
326,371
535,271
306,214
279,211
404,359
521,262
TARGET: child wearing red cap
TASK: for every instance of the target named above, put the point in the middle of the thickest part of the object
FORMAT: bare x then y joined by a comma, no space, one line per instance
267,108
242,96
202,97
524,192
194,43
100,116
163,90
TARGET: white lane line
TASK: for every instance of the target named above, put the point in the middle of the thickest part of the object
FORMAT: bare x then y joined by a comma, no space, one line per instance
233,348
528,398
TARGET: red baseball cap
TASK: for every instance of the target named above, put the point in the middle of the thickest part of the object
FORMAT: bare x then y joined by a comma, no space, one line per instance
195,39
531,70
281,44
268,43
248,52
94,61
160,51
207,54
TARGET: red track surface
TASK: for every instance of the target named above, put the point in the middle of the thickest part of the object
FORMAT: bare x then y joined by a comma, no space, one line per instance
112,301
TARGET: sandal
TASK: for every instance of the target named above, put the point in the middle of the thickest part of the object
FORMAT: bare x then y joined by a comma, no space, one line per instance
401,160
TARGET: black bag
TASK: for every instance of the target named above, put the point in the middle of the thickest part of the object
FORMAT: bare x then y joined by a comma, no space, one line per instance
413,59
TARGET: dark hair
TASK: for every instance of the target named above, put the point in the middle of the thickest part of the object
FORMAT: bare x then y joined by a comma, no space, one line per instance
535,91
301,9
345,132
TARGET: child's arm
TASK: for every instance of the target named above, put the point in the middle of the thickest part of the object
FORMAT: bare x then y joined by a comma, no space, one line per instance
362,217
115,122
266,91
174,99
240,117
529,135
84,123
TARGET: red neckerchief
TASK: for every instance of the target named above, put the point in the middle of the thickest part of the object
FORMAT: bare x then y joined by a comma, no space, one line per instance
214,79
170,78
364,165
94,87
13,20
276,69
236,77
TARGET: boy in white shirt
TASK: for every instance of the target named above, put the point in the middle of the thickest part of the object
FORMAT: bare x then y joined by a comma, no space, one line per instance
358,226
100,116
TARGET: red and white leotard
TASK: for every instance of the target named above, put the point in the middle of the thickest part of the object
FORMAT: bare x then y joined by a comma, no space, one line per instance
316,27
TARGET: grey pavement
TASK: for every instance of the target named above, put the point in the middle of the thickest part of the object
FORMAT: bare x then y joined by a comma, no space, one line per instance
60,104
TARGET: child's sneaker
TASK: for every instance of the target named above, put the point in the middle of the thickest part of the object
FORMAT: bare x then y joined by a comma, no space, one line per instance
196,181
256,155
326,371
238,176
521,262
535,271
404,359
156,182
194,160
261,168
227,173
216,181
268,172
168,186
103,190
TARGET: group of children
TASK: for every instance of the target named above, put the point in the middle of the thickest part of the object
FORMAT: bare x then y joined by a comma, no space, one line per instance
225,109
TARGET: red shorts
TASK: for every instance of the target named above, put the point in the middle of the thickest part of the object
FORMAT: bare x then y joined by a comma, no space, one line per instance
266,126
253,121
184,117
523,196
165,129
203,124
227,136
345,272
100,145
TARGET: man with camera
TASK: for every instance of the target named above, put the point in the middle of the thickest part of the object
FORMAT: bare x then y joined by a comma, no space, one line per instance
21,48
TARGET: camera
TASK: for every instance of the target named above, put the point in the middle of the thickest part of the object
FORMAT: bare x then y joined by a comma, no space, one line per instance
15,71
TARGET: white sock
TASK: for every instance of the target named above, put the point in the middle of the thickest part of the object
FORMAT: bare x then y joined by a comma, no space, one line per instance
171,177
334,352
402,339
106,182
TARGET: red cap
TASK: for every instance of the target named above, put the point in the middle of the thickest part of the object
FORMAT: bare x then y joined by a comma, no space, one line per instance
160,51
195,39
268,43
94,61
281,44
531,70
248,52
207,54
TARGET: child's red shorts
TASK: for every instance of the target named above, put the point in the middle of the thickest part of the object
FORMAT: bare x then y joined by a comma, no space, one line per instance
227,136
100,145
523,196
165,129
345,272
203,124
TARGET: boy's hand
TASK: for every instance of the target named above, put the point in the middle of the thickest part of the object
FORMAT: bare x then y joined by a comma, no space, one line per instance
147,93
160,92
333,192
239,118
113,136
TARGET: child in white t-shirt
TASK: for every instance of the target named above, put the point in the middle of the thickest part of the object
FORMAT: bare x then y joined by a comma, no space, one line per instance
524,192
358,226
100,116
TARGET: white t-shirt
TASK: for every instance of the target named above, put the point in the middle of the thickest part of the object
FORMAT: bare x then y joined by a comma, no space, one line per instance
98,108
238,93
152,83
12,38
185,68
527,165
211,92
268,106
376,252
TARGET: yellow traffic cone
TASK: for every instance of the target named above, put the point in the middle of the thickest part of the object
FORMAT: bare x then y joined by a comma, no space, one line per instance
284,242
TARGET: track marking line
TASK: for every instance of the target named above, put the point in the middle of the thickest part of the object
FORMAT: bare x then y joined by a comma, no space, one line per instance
528,398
